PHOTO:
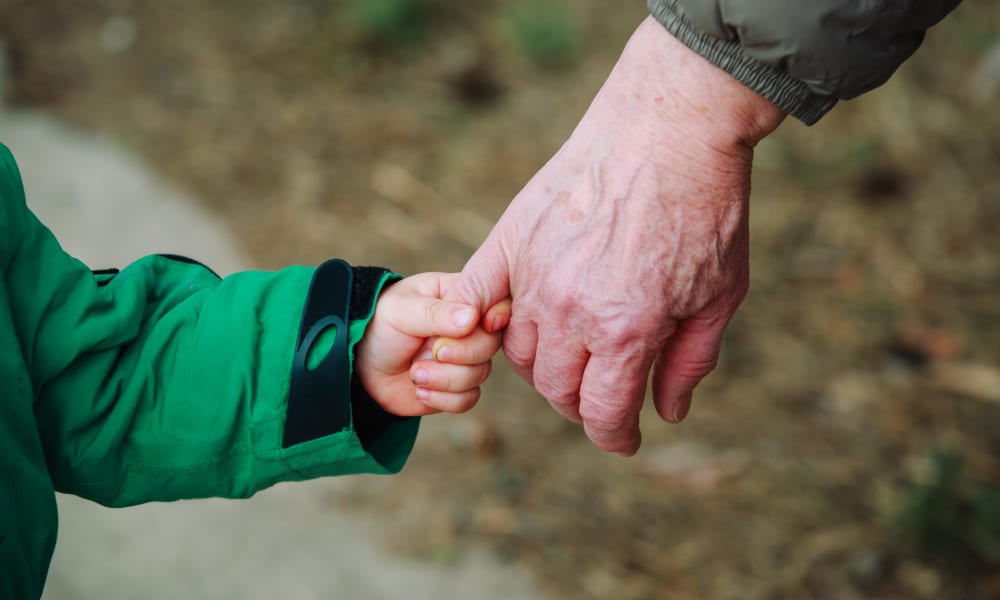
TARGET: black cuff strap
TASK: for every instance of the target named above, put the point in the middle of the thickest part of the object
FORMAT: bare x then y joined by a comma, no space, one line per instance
369,419
319,399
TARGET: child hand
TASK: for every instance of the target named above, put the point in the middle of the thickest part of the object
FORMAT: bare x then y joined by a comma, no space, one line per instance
406,370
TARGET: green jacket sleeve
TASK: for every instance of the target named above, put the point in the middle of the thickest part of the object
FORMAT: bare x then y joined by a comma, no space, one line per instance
803,55
164,381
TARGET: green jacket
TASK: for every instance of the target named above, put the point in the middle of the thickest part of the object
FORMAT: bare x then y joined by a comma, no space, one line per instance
163,381
803,55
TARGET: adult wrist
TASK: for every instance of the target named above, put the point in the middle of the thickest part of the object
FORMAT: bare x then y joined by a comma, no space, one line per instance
675,91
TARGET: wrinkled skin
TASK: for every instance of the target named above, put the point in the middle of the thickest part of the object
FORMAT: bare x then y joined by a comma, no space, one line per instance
628,251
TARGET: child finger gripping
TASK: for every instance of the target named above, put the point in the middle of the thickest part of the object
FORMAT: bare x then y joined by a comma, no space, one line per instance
163,381
410,372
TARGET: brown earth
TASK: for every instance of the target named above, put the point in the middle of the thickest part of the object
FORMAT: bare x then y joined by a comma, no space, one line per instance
821,459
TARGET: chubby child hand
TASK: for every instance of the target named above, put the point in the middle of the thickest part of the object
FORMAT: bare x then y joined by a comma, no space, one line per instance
421,354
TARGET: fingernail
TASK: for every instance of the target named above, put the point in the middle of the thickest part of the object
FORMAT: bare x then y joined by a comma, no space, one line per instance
497,322
423,395
682,407
443,353
425,355
421,377
463,317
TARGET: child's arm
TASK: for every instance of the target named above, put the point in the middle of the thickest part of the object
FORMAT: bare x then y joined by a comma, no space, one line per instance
163,381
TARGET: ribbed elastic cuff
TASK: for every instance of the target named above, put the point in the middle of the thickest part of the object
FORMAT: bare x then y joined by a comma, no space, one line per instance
790,95
368,419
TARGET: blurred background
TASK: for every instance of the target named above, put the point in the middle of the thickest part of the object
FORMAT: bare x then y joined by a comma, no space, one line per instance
848,446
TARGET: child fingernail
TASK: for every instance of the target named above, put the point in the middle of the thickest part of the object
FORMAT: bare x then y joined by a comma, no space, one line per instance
463,317
421,377
423,395
444,353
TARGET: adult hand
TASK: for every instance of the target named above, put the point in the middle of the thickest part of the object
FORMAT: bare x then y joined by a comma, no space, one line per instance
629,250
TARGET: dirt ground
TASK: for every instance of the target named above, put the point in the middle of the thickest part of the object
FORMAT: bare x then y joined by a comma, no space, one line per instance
846,447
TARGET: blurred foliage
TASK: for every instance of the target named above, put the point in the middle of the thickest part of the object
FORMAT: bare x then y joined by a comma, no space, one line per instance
391,23
545,34
952,517
873,304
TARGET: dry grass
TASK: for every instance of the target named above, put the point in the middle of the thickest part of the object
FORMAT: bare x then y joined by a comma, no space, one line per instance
869,340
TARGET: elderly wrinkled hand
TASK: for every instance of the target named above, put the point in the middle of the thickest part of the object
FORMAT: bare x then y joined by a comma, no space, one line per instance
628,251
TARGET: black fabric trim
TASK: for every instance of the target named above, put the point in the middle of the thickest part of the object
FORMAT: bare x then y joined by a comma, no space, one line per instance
366,280
370,420
109,274
190,261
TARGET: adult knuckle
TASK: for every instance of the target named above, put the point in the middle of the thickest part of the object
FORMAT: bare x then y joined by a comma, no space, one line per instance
608,416
562,299
698,368
619,343
556,394
625,324
519,357
612,326
554,380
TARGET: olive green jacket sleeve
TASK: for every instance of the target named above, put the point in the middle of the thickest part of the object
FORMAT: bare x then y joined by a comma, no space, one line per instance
163,381
803,55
